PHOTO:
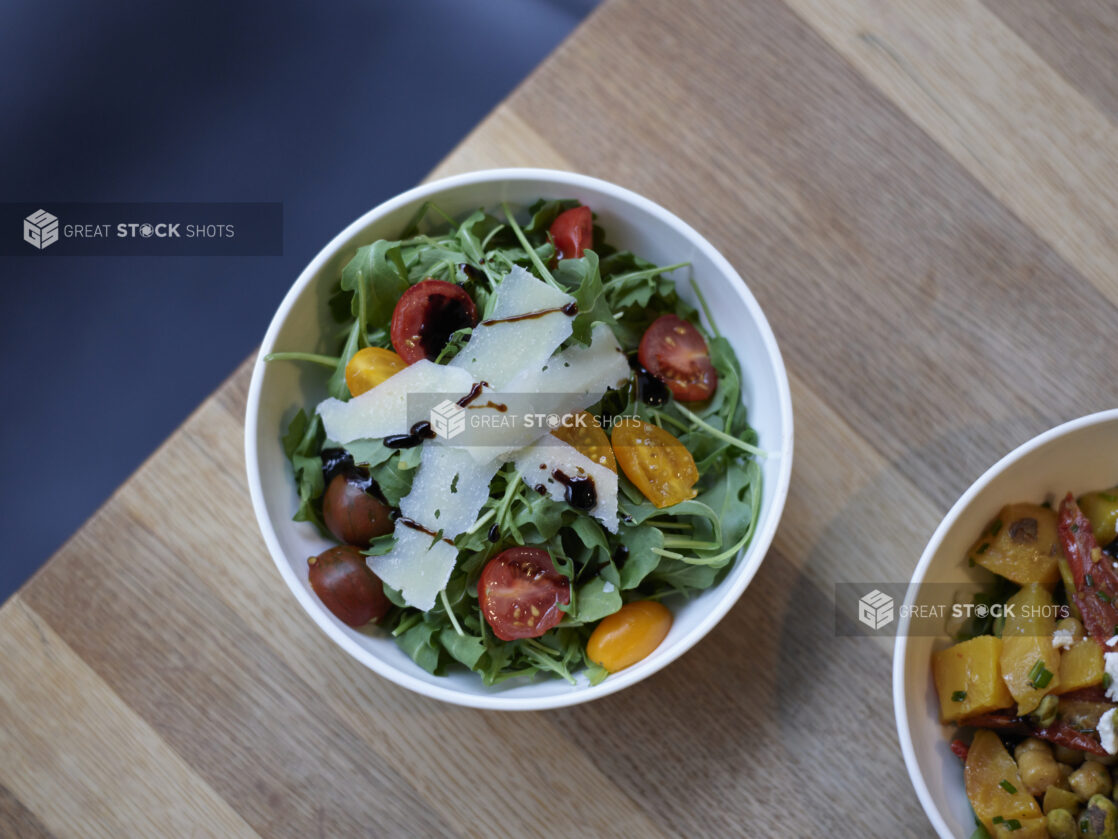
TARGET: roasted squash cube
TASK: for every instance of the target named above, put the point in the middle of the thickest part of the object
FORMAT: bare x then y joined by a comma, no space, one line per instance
1081,666
990,773
1021,829
1030,664
1021,544
1060,799
969,680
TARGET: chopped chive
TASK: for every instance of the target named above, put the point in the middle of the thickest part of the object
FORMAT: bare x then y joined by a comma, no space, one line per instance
1008,787
1090,580
1039,675
996,527
998,819
1106,680
1012,824
1103,596
1074,527
985,547
959,696
1106,496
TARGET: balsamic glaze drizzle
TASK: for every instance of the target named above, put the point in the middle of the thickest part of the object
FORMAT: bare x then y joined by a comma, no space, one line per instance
569,309
419,432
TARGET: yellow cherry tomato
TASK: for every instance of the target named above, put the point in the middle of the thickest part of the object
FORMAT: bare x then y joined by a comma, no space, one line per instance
369,367
656,462
582,431
629,634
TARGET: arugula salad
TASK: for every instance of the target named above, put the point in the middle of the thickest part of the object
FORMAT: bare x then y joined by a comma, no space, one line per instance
515,547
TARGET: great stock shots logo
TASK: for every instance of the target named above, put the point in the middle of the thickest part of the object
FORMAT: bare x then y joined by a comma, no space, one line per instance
875,610
40,229
448,419
144,229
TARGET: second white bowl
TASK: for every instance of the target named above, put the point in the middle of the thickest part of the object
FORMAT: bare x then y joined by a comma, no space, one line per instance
1076,457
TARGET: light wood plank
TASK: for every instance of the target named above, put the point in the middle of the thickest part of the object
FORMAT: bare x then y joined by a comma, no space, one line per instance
17,821
501,139
1076,38
1030,137
78,757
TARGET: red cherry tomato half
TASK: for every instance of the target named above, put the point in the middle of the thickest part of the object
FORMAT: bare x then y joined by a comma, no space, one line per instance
675,351
573,232
425,317
346,586
520,593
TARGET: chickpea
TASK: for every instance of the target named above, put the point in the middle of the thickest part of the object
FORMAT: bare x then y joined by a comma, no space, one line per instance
1065,773
1061,825
1072,757
1105,760
1092,778
1039,769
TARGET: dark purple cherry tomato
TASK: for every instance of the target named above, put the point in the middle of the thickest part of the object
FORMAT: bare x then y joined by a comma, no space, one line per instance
346,586
351,511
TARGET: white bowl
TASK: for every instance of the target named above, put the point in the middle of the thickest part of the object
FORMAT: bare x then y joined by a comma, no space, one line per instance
1076,457
632,222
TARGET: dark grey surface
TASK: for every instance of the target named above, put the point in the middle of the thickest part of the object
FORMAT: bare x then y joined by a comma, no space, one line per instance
327,107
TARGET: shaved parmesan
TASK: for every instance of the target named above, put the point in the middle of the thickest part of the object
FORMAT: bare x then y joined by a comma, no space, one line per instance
449,490
418,566
579,370
538,464
497,352
570,381
396,404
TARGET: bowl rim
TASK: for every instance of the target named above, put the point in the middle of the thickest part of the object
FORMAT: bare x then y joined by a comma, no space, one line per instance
762,538
900,644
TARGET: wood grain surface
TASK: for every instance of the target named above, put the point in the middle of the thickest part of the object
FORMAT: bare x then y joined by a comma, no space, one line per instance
923,196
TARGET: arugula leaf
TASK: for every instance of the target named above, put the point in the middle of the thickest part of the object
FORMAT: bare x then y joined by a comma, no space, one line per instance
337,386
377,271
544,213
302,444
393,481
683,577
467,649
590,538
582,278
419,643
369,451
640,541
596,599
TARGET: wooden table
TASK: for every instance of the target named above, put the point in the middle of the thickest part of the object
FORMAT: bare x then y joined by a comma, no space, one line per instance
923,195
